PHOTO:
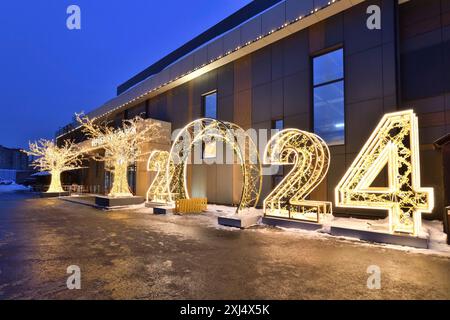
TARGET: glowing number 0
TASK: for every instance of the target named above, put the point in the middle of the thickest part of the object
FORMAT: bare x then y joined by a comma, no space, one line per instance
311,159
159,188
395,142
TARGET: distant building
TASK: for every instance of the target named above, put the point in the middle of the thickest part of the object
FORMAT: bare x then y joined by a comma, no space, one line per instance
14,164
13,159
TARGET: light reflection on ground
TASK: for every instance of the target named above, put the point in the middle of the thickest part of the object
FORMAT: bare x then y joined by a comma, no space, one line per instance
136,255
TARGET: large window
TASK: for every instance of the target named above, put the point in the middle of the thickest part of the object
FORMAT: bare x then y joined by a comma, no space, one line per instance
328,82
210,111
210,105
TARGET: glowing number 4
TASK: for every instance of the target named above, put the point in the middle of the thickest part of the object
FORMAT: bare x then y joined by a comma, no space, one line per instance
310,158
395,142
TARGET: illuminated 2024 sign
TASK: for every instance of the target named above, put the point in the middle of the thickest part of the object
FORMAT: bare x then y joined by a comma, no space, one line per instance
394,143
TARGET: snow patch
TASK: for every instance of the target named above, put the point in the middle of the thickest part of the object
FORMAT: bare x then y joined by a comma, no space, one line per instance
433,230
13,188
134,207
41,174
225,211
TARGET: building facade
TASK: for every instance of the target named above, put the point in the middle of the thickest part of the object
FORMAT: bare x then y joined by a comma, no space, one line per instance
319,66
13,159
14,164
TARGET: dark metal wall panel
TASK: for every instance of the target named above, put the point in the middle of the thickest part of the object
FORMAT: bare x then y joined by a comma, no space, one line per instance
425,84
295,53
261,66
225,81
297,93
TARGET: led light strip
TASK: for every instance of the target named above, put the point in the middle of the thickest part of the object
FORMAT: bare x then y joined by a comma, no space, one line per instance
158,161
310,157
233,136
395,142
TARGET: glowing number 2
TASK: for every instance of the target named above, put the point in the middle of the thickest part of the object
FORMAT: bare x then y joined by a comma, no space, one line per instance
310,158
159,188
395,142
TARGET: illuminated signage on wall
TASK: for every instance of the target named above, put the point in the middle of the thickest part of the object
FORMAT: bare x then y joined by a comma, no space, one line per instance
98,142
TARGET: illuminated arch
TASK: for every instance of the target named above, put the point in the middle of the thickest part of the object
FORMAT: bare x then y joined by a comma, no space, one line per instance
243,147
310,157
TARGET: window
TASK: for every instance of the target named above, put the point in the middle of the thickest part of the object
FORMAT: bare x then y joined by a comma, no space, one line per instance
328,83
210,105
278,124
210,111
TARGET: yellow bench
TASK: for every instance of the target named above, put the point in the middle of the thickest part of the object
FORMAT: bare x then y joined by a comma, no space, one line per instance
193,205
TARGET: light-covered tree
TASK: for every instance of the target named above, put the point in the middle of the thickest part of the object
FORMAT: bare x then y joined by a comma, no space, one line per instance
122,146
55,159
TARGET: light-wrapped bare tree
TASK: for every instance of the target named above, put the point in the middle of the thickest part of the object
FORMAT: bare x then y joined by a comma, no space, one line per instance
122,147
55,159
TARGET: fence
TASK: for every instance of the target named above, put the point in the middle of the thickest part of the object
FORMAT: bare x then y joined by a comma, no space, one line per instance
72,188
193,205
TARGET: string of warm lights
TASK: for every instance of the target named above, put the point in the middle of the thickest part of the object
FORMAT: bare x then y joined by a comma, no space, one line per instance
55,160
235,137
395,142
310,157
159,162
203,65
122,147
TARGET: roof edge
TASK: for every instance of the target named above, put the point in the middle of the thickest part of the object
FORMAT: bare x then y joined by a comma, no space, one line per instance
245,13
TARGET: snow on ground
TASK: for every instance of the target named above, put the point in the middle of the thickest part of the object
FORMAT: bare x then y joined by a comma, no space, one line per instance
231,211
13,188
438,239
208,218
137,207
380,225
433,230
41,174
430,229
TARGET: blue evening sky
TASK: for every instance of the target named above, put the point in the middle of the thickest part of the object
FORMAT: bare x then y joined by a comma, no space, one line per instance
48,72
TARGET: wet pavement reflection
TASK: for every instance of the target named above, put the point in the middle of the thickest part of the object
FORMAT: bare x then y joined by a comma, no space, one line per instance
137,255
